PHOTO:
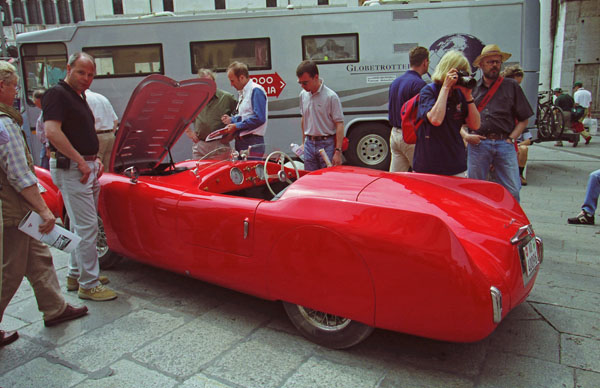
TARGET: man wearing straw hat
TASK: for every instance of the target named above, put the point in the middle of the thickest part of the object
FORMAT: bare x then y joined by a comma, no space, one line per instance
503,119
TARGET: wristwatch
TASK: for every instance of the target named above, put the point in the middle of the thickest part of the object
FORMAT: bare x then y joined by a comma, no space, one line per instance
338,149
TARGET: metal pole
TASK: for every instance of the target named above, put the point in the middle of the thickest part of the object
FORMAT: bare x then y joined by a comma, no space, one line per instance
2,36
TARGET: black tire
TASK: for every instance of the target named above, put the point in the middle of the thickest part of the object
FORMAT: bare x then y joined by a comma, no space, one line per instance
106,258
545,123
559,122
369,146
327,330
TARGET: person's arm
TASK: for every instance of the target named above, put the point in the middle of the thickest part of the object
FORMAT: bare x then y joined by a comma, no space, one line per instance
33,196
258,116
518,130
339,140
58,139
437,114
470,138
473,119
191,134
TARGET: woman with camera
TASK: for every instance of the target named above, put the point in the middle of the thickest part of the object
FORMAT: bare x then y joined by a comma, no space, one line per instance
445,105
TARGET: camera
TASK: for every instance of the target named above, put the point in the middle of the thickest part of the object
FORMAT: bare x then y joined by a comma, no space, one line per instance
466,80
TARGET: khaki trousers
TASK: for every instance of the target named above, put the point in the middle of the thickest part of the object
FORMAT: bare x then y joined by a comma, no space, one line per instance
27,257
402,153
106,143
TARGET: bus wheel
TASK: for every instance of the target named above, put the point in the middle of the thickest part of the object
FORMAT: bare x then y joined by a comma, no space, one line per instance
369,146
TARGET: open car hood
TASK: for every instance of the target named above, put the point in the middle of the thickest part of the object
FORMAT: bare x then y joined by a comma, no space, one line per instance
158,112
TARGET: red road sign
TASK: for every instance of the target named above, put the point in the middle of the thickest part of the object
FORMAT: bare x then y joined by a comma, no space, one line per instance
272,83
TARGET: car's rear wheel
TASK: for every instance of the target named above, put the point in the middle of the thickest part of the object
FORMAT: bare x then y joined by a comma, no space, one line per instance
106,257
328,330
369,146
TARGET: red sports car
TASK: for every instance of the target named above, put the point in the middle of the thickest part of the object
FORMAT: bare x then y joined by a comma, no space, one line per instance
345,249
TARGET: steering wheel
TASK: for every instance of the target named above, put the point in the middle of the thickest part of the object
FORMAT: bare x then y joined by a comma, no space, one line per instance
281,175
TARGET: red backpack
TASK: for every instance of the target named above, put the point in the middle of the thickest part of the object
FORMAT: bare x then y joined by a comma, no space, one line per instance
410,124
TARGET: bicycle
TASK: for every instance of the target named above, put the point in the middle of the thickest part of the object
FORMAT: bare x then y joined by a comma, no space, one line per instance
550,120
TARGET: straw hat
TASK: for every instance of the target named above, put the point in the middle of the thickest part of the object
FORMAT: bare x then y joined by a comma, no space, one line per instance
489,50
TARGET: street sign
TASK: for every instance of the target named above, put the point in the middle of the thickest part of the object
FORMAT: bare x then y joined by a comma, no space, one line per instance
272,83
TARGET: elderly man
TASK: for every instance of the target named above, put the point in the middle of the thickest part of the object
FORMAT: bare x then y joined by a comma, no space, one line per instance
501,106
250,124
75,169
209,120
19,194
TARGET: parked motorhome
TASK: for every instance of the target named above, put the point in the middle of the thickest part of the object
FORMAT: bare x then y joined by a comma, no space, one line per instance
360,51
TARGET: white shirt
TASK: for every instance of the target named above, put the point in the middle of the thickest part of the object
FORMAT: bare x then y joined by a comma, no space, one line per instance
104,114
583,97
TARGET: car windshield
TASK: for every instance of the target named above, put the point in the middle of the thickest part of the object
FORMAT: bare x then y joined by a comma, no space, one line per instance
258,152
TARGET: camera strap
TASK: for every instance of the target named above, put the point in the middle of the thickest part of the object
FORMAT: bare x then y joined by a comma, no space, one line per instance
490,93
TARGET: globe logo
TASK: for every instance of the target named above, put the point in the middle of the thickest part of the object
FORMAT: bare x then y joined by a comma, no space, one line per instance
469,45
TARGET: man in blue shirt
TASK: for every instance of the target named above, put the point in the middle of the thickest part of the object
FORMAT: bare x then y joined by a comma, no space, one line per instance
250,124
403,89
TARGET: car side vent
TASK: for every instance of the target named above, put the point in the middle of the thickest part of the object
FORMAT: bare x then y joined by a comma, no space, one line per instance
404,47
403,15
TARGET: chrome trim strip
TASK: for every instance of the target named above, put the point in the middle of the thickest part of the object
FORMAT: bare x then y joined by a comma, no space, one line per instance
496,304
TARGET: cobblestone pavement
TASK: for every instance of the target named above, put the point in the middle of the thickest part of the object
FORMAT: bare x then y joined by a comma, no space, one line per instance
166,330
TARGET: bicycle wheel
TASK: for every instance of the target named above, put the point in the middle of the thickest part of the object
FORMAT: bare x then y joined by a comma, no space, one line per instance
559,122
544,122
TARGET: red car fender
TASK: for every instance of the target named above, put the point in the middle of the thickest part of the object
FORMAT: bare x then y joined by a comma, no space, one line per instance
318,268
52,196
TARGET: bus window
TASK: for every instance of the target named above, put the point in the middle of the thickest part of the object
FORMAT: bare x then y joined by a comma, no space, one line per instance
127,61
340,48
217,55
44,64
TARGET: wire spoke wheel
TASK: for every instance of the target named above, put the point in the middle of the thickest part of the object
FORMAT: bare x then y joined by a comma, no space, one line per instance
332,331
323,320
559,122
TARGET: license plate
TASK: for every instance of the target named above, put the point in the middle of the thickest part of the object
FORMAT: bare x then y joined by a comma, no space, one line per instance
530,257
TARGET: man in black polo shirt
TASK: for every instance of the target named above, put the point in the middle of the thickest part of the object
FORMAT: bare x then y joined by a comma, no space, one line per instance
503,119
75,169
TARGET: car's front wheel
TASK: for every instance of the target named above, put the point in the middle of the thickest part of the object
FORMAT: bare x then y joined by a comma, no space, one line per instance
328,330
106,257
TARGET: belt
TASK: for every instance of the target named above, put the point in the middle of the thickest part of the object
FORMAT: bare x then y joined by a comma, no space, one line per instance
87,158
496,135
103,131
315,138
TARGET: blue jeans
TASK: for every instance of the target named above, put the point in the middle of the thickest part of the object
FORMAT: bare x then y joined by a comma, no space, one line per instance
502,156
591,195
44,161
258,143
81,202
312,158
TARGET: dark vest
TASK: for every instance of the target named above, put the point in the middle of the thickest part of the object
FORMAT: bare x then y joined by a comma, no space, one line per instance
14,205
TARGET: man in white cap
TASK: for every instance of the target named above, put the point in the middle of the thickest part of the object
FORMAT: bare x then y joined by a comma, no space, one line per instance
503,119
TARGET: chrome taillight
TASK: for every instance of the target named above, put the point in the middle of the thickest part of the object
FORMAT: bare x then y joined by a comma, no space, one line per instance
540,248
496,304
523,232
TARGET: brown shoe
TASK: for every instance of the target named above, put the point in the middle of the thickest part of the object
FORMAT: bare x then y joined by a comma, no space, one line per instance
73,284
69,314
523,182
8,337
